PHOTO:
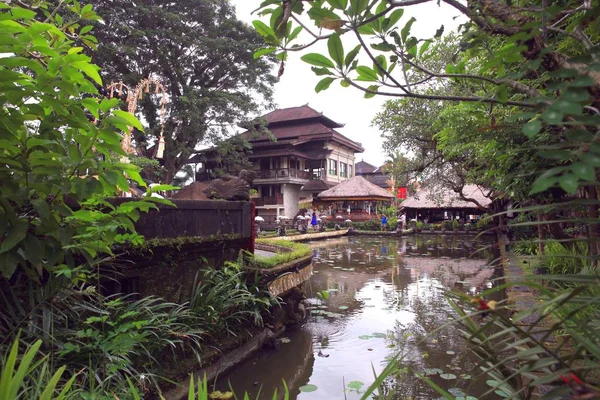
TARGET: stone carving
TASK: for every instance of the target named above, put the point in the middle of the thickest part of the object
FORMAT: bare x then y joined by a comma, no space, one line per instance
231,187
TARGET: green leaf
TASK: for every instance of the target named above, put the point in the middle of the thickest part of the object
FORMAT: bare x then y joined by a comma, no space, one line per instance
89,69
294,34
542,184
324,84
583,171
569,183
358,6
345,83
372,88
339,4
383,46
17,233
532,128
395,16
336,49
424,47
576,95
352,55
321,71
262,52
439,32
8,264
130,118
366,74
567,107
307,388
263,29
553,116
317,59
406,30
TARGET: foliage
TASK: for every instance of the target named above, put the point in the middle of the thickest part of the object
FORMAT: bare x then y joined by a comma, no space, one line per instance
226,302
294,251
455,224
200,52
419,226
55,218
525,247
567,259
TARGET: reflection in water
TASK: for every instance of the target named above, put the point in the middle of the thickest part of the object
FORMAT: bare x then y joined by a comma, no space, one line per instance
386,294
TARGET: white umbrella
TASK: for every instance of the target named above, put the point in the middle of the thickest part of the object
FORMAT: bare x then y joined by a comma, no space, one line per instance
339,217
348,220
258,218
300,217
323,216
283,217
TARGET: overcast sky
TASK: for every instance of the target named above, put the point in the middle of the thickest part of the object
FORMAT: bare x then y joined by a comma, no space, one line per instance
346,105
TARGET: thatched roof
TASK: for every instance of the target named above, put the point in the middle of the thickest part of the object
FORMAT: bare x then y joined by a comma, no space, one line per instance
357,188
445,198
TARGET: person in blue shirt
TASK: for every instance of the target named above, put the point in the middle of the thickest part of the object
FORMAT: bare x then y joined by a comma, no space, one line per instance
314,221
383,222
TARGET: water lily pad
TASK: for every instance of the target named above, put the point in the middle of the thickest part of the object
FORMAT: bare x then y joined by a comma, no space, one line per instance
343,307
456,392
285,340
502,393
448,376
379,335
450,352
432,371
465,376
308,388
466,398
314,312
356,385
365,337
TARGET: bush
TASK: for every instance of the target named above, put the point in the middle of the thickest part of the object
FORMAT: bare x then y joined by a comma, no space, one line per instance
560,259
455,224
419,226
226,302
370,225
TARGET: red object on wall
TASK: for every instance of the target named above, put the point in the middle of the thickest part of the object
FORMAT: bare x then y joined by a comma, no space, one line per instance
402,193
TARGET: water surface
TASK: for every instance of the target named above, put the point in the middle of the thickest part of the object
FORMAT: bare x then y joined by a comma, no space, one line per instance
385,295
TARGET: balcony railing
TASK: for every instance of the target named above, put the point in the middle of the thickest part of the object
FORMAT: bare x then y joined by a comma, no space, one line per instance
283,173
269,200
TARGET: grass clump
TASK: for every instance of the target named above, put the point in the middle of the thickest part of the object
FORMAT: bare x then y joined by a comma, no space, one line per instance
296,251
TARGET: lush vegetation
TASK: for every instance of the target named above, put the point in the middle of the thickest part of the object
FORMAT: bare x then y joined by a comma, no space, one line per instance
61,162
509,102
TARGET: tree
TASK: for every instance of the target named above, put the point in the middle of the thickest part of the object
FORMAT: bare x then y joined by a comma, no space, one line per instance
201,53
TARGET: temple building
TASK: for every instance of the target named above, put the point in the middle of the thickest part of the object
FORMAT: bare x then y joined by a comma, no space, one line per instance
308,156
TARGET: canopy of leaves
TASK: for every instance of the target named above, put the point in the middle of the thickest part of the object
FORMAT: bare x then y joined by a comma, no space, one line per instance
202,54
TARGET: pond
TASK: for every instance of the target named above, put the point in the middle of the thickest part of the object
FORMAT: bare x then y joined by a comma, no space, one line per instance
385,295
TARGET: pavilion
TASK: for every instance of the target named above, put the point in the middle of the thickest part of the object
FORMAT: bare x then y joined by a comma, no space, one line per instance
445,204
358,194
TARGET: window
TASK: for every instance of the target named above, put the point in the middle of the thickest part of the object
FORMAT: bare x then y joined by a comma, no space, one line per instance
343,169
332,167
349,171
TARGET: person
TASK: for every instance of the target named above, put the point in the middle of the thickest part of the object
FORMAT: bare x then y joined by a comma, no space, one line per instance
402,222
313,221
383,222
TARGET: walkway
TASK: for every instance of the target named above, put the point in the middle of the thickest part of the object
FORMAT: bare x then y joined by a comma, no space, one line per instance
264,253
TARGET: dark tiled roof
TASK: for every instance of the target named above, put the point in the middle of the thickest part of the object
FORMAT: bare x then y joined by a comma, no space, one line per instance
380,180
363,167
286,115
317,185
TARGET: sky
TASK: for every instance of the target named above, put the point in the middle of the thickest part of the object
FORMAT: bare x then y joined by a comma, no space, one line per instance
346,105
